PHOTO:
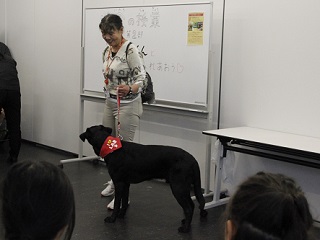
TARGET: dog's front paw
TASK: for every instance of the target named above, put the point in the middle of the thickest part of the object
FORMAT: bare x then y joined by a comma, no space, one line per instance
110,219
184,229
203,213
122,213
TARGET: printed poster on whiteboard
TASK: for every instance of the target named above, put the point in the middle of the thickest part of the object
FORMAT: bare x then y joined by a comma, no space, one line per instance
195,28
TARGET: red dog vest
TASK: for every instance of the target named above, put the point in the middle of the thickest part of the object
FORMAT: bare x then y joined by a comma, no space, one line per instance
110,144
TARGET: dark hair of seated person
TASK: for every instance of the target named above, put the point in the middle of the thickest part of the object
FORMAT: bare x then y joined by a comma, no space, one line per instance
37,202
268,207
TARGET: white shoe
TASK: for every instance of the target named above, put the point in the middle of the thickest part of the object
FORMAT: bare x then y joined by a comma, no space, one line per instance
109,190
111,204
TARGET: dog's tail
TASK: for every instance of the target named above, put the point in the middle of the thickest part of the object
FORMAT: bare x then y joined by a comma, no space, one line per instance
197,189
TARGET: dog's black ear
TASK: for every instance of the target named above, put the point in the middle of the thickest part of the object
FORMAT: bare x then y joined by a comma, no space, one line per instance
109,130
83,136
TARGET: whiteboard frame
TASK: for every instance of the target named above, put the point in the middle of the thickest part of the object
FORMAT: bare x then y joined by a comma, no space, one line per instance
181,106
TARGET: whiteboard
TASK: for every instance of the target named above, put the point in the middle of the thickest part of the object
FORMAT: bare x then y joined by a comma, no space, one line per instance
179,70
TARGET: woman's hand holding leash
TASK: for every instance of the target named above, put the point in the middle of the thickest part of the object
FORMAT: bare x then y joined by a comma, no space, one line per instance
123,90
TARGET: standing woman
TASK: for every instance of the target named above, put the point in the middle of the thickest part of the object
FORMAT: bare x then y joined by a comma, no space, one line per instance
125,77
10,100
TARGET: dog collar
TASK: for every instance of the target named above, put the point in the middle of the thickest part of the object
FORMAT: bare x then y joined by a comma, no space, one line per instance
110,144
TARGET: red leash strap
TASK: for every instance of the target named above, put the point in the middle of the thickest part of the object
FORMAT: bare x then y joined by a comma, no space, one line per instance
118,106
112,143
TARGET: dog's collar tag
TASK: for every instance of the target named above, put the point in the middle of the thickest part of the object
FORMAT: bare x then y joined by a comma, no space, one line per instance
110,144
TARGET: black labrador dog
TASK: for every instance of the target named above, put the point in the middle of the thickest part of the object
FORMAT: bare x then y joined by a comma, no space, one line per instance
134,163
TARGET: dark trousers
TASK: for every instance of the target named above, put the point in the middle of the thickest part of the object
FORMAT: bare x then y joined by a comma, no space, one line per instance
10,101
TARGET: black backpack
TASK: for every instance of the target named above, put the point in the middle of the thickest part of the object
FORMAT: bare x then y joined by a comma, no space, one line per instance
147,95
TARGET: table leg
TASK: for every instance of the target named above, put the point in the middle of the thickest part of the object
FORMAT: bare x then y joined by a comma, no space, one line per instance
216,201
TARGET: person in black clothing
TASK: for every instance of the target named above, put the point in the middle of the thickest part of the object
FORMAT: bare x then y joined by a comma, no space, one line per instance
10,100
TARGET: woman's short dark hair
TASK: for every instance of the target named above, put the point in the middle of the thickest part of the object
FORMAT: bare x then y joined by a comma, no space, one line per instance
110,23
270,206
38,202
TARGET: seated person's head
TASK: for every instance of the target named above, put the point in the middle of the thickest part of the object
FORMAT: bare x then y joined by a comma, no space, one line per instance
37,202
268,206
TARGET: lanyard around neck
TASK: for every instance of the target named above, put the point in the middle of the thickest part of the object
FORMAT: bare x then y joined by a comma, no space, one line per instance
110,62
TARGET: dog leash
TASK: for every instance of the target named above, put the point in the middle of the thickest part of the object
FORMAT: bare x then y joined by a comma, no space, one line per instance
118,106
112,143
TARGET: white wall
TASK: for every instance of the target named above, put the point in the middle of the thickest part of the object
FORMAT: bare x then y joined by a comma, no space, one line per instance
270,79
45,40
2,20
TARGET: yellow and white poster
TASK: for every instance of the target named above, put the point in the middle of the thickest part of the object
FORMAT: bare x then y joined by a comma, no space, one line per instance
195,28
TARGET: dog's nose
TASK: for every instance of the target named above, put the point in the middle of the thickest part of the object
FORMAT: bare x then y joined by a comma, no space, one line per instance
83,136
